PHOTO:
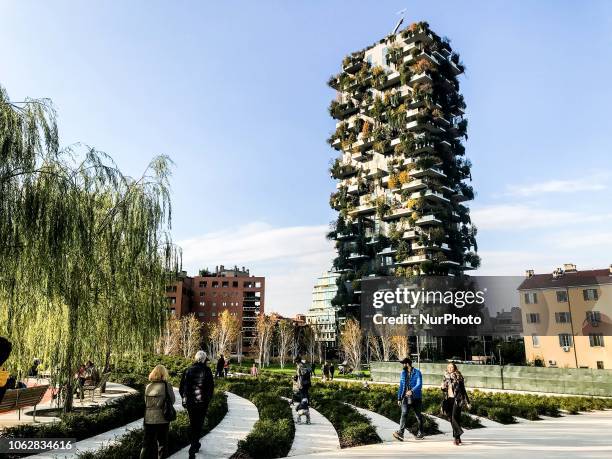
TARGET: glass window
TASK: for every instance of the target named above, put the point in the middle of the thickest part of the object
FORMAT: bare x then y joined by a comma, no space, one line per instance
590,294
596,339
565,340
533,318
561,296
562,317
593,317
535,340
531,298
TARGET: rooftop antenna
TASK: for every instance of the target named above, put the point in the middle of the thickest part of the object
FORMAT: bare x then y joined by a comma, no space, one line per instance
400,22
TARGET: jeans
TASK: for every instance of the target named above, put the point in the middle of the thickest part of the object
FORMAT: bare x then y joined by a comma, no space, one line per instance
453,411
155,442
416,405
197,414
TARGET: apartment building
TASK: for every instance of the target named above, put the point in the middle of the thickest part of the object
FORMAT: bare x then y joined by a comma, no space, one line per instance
567,317
210,293
401,171
322,316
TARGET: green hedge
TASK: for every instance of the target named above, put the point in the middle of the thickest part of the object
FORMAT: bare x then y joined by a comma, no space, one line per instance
129,445
272,435
380,399
353,428
82,425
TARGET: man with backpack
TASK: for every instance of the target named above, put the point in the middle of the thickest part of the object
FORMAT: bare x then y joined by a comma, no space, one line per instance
302,376
409,397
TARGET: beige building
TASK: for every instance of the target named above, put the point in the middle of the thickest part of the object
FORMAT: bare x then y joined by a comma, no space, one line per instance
567,317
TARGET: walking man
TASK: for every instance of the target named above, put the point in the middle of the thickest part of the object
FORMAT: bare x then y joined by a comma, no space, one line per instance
196,390
409,397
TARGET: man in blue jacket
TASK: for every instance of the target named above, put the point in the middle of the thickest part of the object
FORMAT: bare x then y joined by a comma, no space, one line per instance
409,396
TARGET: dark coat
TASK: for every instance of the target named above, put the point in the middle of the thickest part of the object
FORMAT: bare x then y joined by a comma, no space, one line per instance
458,385
197,385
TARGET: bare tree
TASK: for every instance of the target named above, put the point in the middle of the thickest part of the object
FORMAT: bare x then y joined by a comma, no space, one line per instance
265,329
169,340
400,346
350,341
190,335
375,347
222,333
285,339
310,341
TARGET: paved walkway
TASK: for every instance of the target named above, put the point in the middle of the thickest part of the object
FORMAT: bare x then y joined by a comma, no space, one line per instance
114,391
574,436
222,441
106,438
316,437
384,426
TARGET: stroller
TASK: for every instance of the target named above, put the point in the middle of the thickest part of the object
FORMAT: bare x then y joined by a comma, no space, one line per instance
296,396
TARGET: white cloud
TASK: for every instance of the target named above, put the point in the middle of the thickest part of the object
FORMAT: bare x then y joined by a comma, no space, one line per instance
290,258
591,183
600,240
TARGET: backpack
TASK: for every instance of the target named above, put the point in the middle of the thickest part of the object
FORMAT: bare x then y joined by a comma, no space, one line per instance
305,376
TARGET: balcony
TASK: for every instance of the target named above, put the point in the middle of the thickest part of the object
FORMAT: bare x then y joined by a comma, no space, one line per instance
387,251
428,220
357,256
398,213
429,194
430,172
392,78
359,156
410,234
420,78
416,184
415,259
363,209
458,196
443,246
353,189
418,36
341,236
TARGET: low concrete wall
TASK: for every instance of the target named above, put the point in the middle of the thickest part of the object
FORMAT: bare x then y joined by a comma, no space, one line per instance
577,381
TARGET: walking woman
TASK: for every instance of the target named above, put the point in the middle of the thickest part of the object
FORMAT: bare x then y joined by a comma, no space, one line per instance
155,442
455,399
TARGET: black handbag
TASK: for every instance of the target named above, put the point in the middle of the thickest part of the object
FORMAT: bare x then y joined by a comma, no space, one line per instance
408,387
169,411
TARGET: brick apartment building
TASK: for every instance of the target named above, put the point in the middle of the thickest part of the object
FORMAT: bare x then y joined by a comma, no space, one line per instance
210,293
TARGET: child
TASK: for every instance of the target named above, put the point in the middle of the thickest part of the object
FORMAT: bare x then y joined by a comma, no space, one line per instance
302,410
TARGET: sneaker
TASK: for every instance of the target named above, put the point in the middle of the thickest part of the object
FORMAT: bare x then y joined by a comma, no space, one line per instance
398,436
418,436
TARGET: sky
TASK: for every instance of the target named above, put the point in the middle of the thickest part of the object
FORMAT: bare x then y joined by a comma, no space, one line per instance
235,93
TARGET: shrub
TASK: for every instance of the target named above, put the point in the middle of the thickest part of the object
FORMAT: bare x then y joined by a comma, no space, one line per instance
129,445
81,425
271,436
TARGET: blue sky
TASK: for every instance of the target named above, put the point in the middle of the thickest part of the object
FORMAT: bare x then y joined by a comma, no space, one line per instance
235,93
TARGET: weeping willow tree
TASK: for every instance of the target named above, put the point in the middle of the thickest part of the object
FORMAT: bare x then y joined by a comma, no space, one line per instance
85,251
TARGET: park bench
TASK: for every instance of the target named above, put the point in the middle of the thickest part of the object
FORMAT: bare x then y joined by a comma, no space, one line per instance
97,386
21,398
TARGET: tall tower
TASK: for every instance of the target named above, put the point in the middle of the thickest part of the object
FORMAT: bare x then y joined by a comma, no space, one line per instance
401,168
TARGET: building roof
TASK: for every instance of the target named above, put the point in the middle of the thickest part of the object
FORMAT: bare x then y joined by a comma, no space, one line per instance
567,279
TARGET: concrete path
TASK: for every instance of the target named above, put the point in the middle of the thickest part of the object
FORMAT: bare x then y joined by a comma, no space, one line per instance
577,436
104,439
384,426
222,441
486,422
114,391
316,437
444,426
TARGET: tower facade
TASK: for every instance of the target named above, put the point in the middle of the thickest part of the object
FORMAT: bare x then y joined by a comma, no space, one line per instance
401,169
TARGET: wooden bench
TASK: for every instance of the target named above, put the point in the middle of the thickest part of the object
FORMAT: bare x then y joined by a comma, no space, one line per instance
98,386
21,398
